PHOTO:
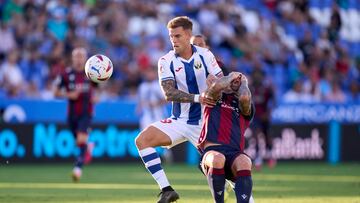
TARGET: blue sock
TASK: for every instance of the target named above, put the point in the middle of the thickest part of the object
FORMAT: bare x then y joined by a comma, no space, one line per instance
243,186
152,162
80,159
216,181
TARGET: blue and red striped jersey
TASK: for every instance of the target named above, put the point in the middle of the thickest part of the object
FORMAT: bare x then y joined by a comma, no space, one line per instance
74,80
224,124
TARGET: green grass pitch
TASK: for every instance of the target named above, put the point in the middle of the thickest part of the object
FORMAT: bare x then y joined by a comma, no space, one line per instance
287,183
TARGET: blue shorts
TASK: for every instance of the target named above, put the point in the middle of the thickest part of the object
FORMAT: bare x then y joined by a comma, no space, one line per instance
79,124
230,155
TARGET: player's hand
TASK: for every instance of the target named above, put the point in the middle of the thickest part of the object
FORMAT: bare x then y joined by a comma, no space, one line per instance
235,75
73,95
205,100
244,78
210,79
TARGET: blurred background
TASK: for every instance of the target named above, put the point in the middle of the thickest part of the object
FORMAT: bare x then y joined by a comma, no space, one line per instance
305,54
302,59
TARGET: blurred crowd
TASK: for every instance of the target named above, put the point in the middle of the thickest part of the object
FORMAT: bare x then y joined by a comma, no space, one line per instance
307,51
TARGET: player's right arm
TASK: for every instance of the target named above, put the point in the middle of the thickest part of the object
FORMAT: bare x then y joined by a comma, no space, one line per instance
167,83
173,94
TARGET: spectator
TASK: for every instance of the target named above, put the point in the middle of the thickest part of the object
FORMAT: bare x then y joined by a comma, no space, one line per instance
13,79
297,94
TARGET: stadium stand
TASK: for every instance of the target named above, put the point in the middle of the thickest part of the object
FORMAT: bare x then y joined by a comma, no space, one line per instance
316,42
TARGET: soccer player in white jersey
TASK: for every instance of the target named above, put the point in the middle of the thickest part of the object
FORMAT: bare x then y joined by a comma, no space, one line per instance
182,76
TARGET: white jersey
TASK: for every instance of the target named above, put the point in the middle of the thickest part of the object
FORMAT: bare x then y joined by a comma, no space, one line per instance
190,77
150,93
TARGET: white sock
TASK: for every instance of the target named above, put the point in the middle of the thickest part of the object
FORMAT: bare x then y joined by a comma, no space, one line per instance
152,162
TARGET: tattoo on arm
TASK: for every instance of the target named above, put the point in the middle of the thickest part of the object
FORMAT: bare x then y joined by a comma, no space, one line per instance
173,94
245,98
214,91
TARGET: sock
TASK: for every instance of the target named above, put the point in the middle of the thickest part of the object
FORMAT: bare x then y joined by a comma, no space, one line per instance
80,159
216,181
152,162
243,186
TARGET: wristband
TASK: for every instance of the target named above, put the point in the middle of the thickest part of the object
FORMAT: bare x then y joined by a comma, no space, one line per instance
196,98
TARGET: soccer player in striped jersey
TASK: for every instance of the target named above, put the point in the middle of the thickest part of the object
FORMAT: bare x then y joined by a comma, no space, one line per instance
80,91
182,76
222,137
201,41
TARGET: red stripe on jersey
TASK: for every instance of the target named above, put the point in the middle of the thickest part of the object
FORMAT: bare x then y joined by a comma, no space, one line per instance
242,129
225,124
204,129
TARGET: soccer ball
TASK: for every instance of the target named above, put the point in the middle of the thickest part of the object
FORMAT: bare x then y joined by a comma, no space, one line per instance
98,68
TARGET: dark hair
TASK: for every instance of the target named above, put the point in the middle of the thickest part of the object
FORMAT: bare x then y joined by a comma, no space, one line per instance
202,37
180,21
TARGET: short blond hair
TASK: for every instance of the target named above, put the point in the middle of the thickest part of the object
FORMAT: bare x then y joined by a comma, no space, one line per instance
180,21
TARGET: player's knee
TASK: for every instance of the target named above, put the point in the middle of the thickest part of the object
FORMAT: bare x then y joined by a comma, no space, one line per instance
140,140
215,160
151,137
81,138
245,162
242,162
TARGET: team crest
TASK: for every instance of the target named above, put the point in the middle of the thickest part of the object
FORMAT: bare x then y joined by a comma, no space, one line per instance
198,65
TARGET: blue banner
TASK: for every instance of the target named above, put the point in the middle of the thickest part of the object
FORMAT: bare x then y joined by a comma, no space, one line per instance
316,113
31,111
124,111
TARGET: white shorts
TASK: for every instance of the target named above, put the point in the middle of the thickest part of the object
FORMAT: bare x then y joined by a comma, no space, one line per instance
179,131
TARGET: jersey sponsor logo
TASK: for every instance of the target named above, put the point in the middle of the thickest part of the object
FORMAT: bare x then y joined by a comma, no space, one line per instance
178,69
224,105
167,120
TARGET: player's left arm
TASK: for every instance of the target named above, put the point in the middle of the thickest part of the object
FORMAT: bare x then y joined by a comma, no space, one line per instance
213,93
244,97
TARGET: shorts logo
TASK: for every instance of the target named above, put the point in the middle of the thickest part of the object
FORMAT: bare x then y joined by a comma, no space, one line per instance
167,120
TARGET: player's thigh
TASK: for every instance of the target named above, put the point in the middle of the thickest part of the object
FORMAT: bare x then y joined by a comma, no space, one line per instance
73,125
192,133
213,159
177,131
152,136
241,162
83,128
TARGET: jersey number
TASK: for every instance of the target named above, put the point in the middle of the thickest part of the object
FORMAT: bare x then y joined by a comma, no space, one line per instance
167,120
